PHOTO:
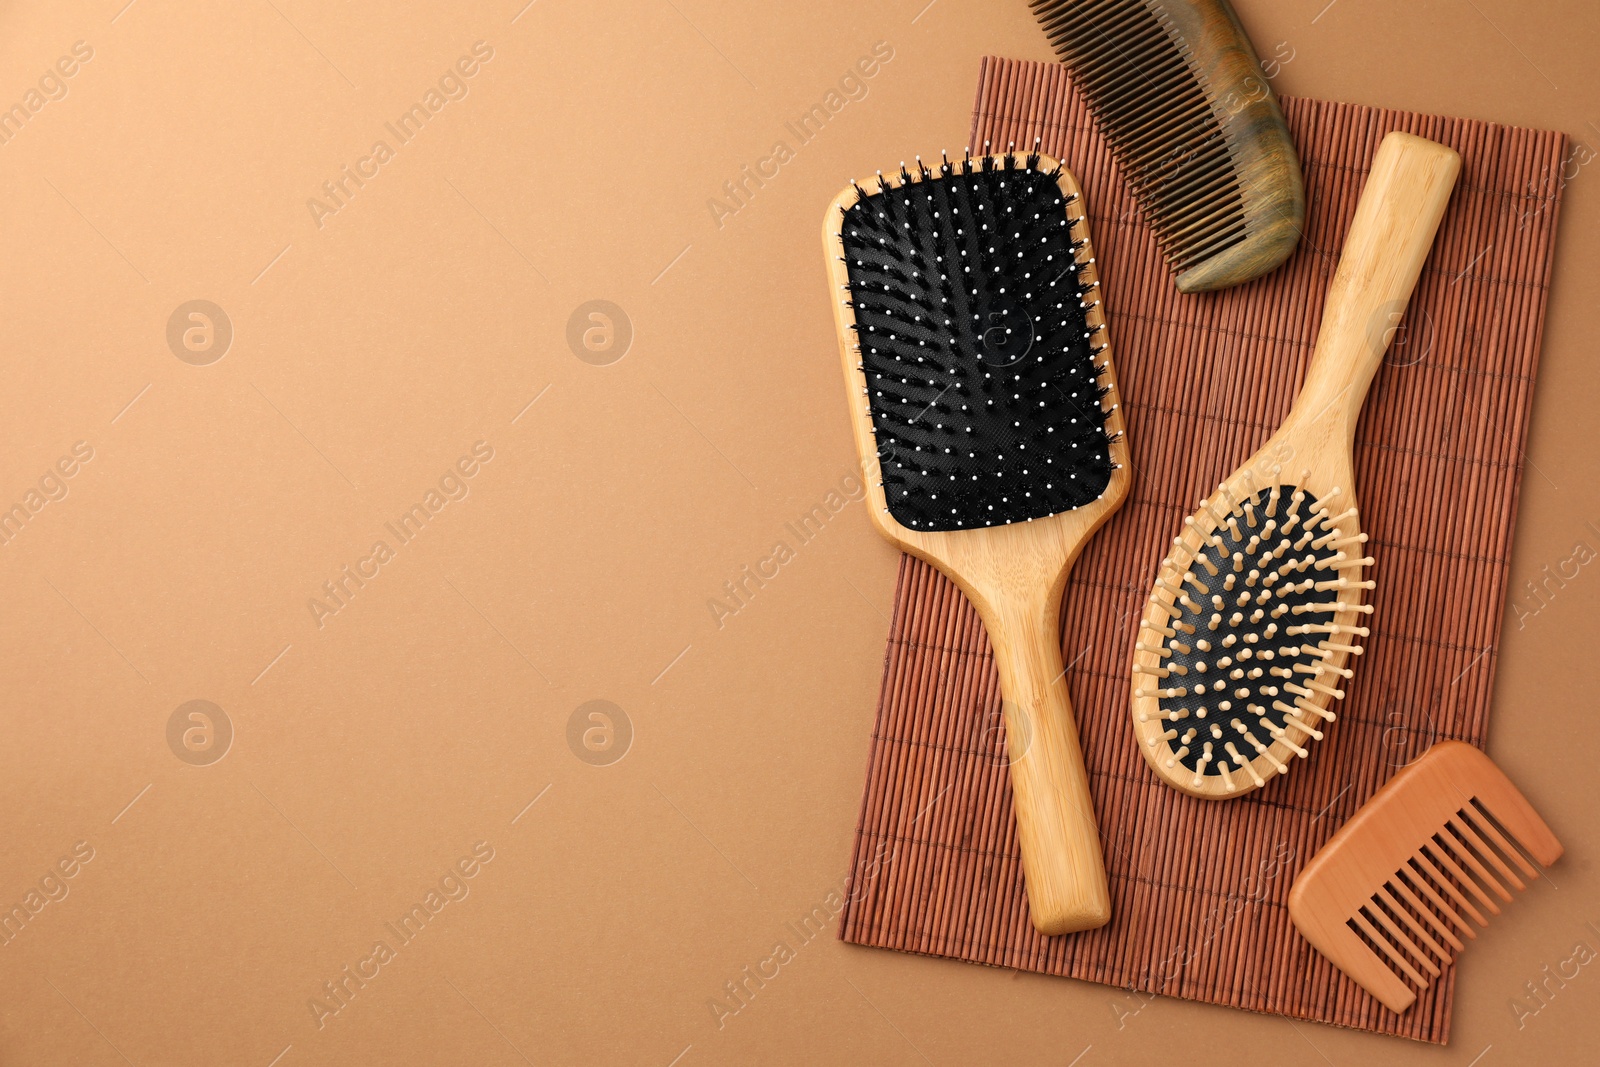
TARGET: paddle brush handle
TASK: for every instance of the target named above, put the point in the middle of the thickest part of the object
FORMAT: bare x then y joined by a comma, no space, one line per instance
1393,228
1062,867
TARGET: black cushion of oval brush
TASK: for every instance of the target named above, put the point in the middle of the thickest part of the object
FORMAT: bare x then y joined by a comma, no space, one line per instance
1252,635
975,346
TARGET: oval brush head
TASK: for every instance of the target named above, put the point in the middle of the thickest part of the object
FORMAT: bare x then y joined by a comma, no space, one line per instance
971,311
1242,647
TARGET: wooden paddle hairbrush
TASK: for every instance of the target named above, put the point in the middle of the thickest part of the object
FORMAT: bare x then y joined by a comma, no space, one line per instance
1179,95
1256,608
1388,892
979,372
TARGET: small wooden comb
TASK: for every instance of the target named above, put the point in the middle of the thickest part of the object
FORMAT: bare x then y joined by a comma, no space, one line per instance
1437,842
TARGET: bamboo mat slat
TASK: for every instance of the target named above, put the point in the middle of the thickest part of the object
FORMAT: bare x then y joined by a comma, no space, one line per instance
1199,889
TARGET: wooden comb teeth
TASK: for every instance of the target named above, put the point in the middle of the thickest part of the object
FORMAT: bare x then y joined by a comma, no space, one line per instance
1179,95
1390,898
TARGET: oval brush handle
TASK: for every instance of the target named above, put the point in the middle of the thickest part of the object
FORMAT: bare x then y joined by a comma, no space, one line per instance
1393,228
1062,867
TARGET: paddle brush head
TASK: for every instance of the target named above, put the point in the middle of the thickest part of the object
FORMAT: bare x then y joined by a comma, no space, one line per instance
1179,95
1245,635
980,341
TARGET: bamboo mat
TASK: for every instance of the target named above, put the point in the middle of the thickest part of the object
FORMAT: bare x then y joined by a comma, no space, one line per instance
1199,889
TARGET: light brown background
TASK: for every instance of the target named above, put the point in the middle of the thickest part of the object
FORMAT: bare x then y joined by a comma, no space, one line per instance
369,354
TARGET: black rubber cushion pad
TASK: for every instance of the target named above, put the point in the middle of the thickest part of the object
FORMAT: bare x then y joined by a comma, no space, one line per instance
978,357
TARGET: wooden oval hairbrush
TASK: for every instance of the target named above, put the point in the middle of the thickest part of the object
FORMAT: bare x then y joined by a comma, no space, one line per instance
1258,605
980,376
